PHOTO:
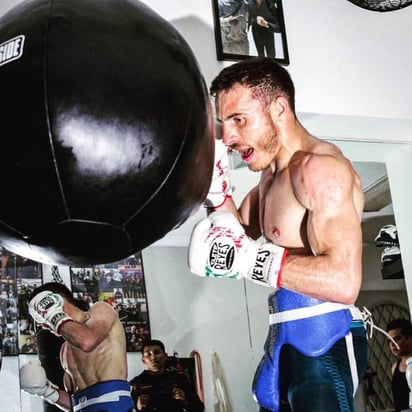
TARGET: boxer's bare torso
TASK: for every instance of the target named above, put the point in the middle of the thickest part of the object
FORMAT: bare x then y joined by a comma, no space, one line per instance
284,201
97,355
309,198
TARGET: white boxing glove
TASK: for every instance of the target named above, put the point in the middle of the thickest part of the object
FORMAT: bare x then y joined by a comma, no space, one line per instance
33,380
219,247
47,308
220,188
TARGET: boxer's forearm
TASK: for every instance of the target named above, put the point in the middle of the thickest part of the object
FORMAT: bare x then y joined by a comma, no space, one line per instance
64,401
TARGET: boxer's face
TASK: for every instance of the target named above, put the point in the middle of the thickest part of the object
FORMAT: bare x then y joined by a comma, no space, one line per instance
248,127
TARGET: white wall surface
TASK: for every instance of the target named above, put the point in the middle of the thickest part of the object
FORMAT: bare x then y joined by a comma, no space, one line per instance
343,59
351,68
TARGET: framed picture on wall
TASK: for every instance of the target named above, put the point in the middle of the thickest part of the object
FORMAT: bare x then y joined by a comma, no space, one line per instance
245,28
122,285
19,276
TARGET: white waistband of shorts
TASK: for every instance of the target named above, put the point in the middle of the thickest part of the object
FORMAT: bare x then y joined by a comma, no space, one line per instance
310,311
107,397
356,313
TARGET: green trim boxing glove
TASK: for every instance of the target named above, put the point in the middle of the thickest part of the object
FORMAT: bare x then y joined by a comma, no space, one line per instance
47,308
219,247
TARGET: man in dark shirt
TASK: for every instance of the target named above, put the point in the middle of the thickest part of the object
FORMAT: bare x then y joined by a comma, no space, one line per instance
264,20
158,389
401,332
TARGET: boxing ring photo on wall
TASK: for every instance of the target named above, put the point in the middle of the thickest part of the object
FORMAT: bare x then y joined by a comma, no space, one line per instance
245,28
122,285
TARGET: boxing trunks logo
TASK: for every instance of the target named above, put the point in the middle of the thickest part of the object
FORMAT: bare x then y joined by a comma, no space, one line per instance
11,49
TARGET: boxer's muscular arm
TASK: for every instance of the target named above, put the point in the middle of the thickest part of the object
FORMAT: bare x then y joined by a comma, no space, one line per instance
64,401
325,186
87,336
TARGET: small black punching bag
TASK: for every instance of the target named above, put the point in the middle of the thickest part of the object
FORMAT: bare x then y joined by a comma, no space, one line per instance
106,130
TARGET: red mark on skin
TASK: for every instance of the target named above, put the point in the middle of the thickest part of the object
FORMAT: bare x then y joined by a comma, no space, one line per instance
276,232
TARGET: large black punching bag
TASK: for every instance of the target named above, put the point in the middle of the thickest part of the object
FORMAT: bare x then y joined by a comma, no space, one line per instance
106,130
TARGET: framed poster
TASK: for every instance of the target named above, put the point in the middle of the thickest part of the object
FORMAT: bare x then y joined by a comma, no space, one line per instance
122,285
245,28
19,276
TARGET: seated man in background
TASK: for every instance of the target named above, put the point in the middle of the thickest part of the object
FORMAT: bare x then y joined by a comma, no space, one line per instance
401,332
161,390
93,355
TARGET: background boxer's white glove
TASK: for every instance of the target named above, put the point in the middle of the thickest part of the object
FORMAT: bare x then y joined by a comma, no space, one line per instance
219,247
220,188
47,308
33,380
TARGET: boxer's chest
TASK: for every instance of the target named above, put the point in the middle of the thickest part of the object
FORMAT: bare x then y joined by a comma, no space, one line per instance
283,219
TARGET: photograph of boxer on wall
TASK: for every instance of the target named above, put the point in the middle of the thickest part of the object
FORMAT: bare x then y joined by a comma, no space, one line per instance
122,285
19,276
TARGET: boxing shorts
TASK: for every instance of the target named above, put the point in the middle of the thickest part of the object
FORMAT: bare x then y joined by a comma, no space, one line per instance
108,396
307,325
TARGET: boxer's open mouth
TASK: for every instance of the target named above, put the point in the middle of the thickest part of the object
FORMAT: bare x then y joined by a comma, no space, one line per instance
246,154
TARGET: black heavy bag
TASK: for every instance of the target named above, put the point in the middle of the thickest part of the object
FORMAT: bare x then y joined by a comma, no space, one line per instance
106,141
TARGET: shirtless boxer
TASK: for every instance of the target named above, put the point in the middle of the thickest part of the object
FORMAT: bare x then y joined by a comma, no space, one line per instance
298,231
93,354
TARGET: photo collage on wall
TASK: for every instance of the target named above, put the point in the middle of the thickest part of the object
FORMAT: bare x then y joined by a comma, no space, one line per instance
19,277
121,284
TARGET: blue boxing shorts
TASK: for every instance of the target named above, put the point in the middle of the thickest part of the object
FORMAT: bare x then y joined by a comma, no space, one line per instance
108,396
315,354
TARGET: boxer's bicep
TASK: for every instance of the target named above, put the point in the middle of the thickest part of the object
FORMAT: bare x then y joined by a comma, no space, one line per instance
324,186
334,235
333,228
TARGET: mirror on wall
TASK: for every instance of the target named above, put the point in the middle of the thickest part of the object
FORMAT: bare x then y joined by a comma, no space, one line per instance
381,248
383,286
384,170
